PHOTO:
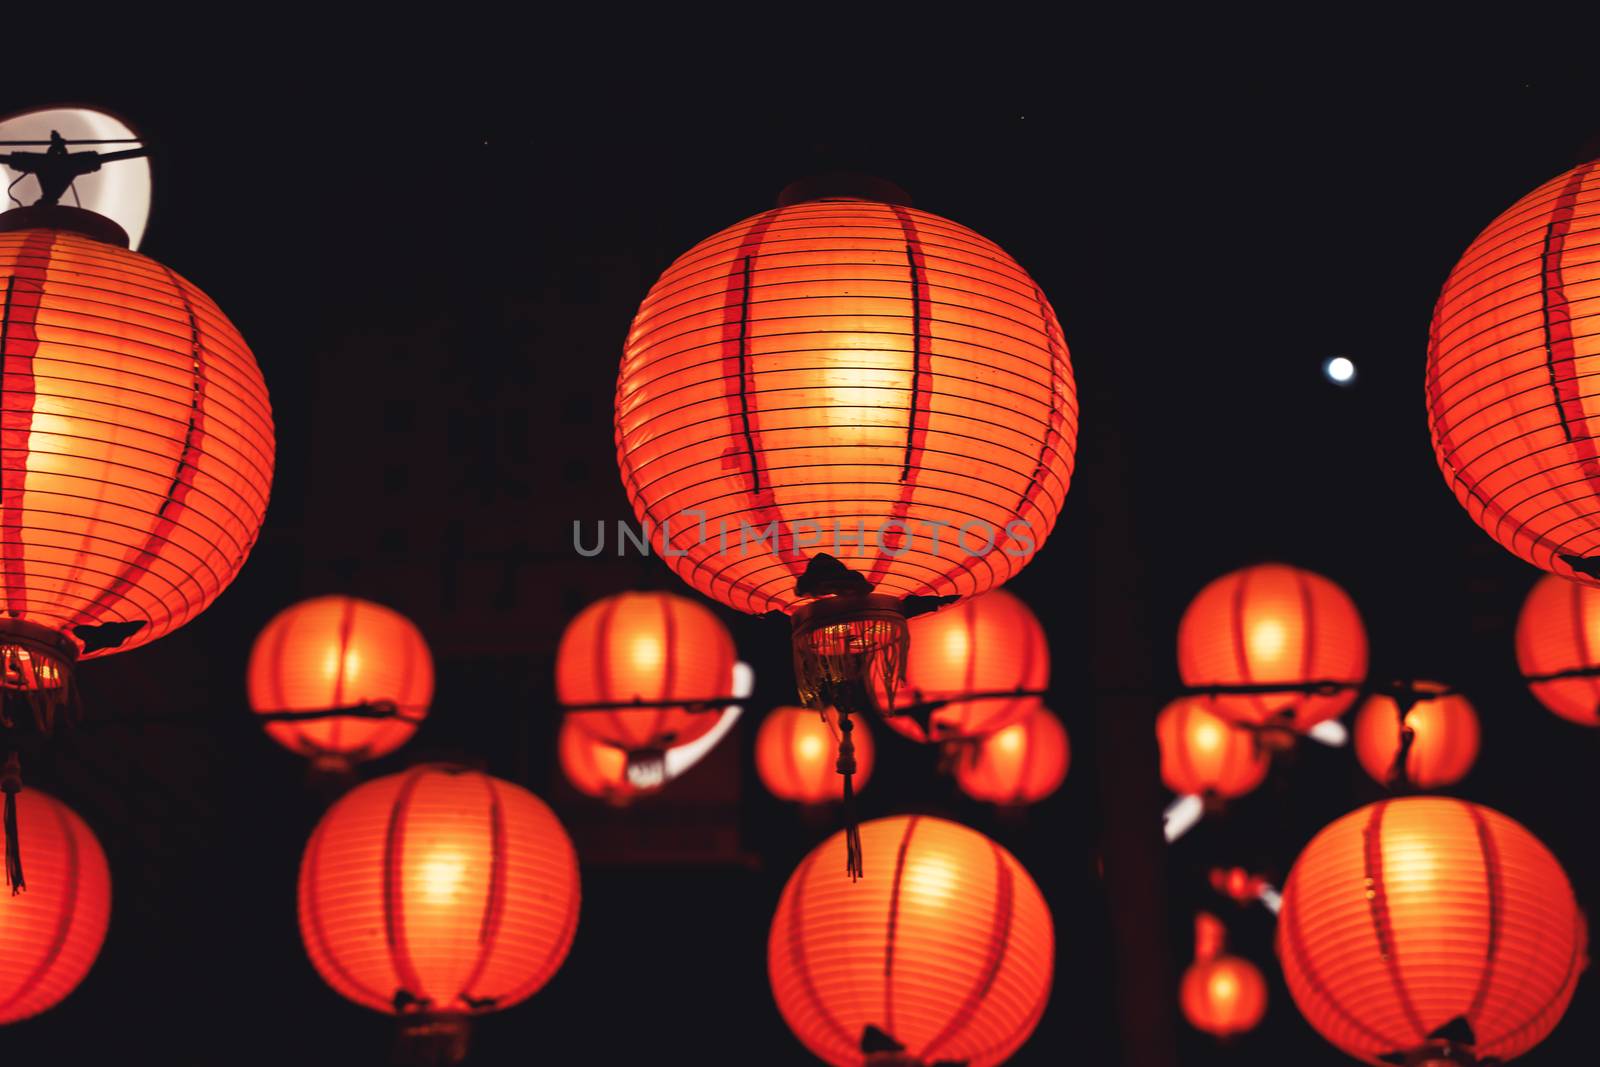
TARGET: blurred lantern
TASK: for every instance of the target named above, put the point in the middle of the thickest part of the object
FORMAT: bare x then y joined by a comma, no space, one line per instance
50,935
1430,930
1020,764
1433,744
1558,648
973,669
851,412
1508,381
1221,995
1269,625
795,755
643,672
1207,756
438,894
946,957
340,679
1237,884
594,768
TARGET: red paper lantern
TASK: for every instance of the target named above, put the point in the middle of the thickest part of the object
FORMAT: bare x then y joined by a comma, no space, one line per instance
51,934
945,952
437,894
1441,749
1020,764
1558,632
1221,995
1508,379
1273,624
1430,928
795,755
1205,755
340,652
990,644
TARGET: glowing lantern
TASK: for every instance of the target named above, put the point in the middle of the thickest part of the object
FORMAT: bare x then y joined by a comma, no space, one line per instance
50,935
1558,648
973,669
1509,398
643,672
339,654
948,957
795,755
1267,625
1221,995
1207,756
1021,764
438,894
1425,929
1439,737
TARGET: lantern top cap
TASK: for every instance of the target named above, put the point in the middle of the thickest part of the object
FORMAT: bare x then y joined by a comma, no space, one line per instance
62,217
842,183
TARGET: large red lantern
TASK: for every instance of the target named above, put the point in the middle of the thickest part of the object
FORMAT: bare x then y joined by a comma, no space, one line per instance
1558,647
1437,735
1205,755
1221,995
1425,929
50,935
438,894
1020,764
795,755
1269,625
340,679
945,956
1508,381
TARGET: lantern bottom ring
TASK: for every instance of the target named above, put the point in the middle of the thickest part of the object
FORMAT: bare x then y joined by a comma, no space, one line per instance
847,645
36,663
432,1039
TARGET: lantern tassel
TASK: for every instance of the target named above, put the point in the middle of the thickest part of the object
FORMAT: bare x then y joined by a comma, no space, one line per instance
11,783
852,825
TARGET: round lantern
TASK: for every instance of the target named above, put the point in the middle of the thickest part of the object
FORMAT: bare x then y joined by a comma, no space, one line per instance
973,669
1507,380
1438,735
1426,929
437,894
1205,755
1221,995
51,934
340,679
795,755
1267,625
643,672
944,955
1558,648
1020,764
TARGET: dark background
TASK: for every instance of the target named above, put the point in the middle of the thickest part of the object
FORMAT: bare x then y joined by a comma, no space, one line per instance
436,276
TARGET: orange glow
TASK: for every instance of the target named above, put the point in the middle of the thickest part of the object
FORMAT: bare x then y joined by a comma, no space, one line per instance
1202,754
138,443
1559,630
990,644
445,884
1021,764
1511,408
1444,745
1220,994
341,652
869,377
50,933
594,768
946,945
647,647
1267,624
1410,914
796,753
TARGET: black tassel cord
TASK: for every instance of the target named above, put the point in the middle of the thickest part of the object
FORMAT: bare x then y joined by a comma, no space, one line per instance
847,767
11,782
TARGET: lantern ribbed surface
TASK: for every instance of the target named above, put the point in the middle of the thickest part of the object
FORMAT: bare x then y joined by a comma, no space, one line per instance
1557,631
592,767
881,373
1203,754
136,442
989,644
1444,743
1511,396
341,652
1223,996
51,932
1019,764
1267,624
1422,915
946,946
440,890
796,755
655,648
